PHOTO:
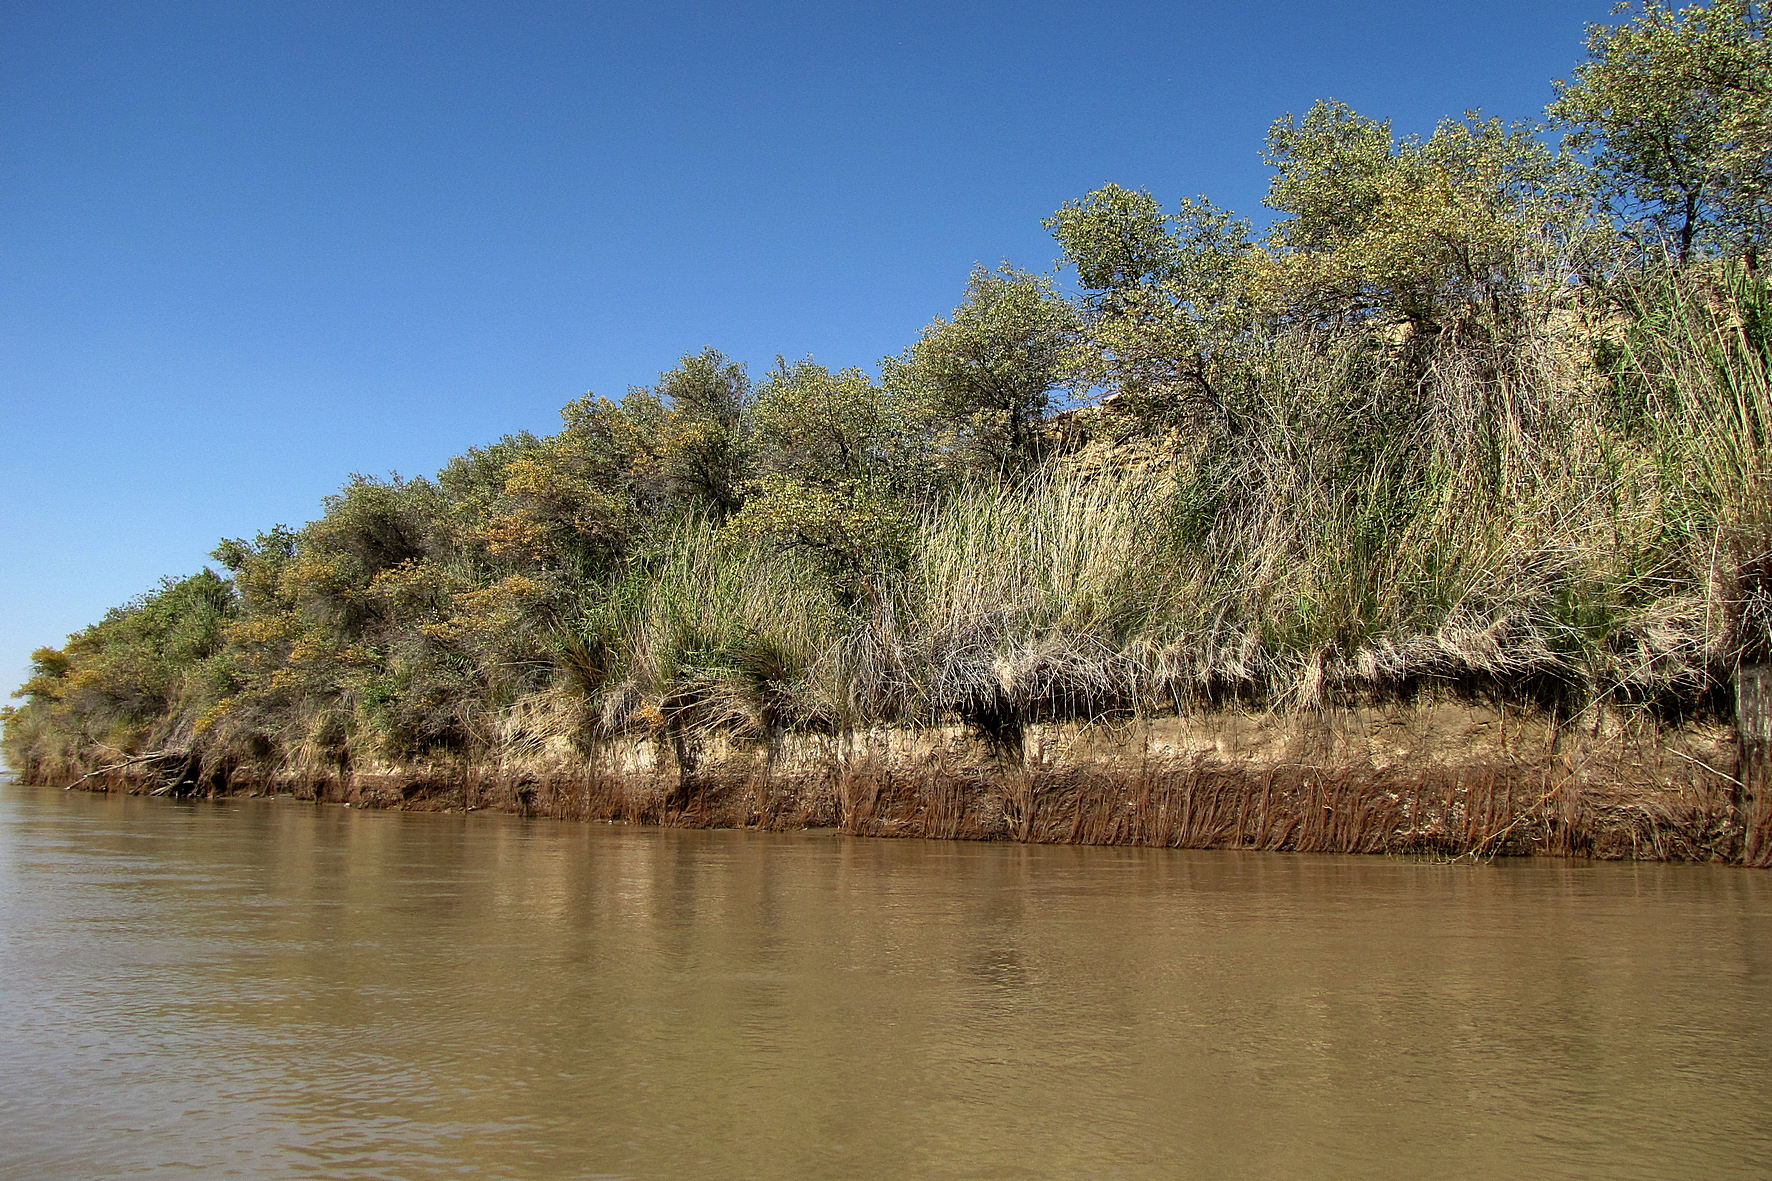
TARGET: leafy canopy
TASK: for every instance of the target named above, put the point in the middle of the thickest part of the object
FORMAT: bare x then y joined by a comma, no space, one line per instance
985,376
1438,232
1674,111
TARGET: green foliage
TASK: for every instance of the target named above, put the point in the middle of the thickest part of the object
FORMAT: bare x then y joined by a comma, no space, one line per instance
1169,298
257,565
1333,169
854,529
370,526
705,448
120,679
1675,110
587,495
474,481
984,377
1439,233
1119,240
49,667
825,428
841,460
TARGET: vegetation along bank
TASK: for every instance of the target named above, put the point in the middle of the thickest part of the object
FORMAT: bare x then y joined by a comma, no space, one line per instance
1436,517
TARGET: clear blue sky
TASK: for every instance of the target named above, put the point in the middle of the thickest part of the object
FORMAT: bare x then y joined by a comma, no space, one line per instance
250,248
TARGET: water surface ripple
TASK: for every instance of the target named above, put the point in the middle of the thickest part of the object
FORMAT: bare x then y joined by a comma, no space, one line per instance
271,989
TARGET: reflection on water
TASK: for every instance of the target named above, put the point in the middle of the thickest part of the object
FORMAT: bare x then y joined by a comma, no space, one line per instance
277,990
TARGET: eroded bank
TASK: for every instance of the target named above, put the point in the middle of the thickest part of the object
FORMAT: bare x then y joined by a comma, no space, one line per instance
1450,778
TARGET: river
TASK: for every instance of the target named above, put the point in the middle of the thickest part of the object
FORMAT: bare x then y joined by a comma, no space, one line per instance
265,988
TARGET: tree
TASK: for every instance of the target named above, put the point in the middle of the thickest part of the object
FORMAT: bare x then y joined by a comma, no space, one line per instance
1167,296
48,668
986,374
705,449
1332,170
1437,233
474,481
1117,239
578,502
840,461
1674,109
131,666
828,428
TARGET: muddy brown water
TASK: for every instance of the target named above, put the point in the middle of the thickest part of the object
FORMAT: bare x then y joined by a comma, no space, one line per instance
261,988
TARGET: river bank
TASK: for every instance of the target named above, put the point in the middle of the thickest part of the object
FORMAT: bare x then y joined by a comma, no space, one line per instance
1438,517
1448,778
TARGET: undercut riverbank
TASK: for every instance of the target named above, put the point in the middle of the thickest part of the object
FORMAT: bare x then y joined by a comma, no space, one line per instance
1450,778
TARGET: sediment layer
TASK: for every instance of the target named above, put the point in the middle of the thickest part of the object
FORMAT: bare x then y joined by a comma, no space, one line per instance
1451,779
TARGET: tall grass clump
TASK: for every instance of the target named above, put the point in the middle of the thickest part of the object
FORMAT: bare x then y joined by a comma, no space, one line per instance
1036,597
726,635
1551,518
